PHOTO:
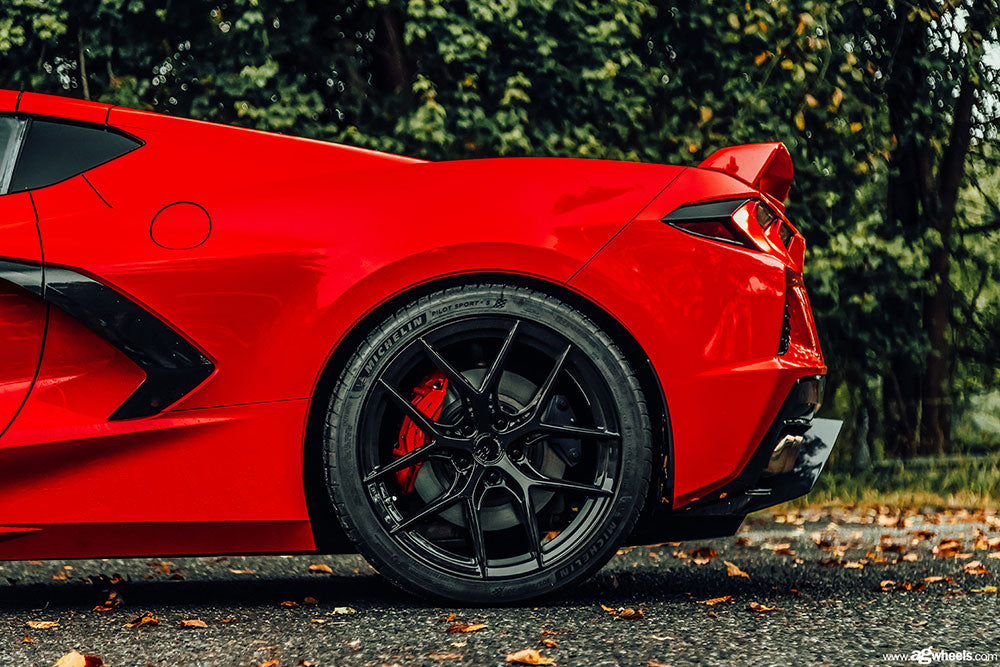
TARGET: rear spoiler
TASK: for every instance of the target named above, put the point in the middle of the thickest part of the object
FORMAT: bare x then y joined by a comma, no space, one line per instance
766,167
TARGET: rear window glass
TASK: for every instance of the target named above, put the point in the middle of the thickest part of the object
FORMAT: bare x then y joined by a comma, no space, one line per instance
54,151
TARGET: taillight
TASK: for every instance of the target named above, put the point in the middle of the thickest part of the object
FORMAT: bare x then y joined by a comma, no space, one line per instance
715,220
749,223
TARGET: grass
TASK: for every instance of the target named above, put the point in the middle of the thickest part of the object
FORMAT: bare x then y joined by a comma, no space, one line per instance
959,481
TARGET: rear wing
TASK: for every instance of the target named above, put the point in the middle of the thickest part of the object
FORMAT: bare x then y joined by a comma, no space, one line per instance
766,167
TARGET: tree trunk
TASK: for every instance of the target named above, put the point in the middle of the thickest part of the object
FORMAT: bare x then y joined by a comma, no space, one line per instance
935,425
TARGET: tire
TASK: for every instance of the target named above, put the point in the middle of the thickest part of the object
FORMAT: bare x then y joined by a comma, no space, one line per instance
516,416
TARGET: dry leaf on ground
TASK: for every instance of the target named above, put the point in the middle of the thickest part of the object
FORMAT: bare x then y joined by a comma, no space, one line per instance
719,600
321,567
146,619
465,627
192,623
702,555
975,567
529,656
344,610
444,656
269,663
76,659
734,571
985,589
551,643
43,625
947,549
758,607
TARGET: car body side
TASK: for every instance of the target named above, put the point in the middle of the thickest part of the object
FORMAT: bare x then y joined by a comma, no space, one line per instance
306,240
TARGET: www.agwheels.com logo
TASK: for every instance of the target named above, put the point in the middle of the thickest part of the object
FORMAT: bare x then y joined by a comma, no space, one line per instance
930,655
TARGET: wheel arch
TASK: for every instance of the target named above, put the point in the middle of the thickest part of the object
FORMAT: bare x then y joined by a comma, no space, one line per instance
329,536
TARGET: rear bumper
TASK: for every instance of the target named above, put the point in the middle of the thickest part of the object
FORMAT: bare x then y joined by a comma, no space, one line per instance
784,466
787,462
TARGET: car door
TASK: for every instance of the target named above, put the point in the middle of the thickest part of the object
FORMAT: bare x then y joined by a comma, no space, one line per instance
22,313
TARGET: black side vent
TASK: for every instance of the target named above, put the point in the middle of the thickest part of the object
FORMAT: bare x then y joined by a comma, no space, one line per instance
786,330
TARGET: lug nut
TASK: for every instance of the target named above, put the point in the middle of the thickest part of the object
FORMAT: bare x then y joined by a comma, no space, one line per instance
493,477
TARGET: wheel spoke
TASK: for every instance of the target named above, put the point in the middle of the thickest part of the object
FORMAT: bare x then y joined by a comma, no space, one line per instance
492,379
536,479
442,502
567,431
476,531
526,508
541,397
420,419
464,387
403,462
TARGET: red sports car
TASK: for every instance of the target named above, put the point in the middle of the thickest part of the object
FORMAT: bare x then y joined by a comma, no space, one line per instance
483,375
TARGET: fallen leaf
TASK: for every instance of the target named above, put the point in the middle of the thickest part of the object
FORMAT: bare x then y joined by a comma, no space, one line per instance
720,600
934,579
975,567
631,614
610,610
444,656
702,555
449,618
985,589
758,607
853,565
319,621
529,656
43,625
76,659
947,549
192,623
734,571
309,600
269,663
551,643
344,610
289,603
146,619
911,557
887,584
321,567
465,627
653,663
243,571
27,640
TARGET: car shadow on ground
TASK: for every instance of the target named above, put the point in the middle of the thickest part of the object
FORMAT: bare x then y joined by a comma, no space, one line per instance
614,586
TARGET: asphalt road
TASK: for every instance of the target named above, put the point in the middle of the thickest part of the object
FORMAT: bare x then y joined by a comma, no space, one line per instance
822,576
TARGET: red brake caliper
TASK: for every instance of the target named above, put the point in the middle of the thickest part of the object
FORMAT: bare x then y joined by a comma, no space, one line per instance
428,398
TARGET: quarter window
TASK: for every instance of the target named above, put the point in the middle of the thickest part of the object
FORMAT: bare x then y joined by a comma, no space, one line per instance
11,131
55,150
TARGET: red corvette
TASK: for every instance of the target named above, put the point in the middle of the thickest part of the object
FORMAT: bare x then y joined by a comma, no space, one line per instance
483,375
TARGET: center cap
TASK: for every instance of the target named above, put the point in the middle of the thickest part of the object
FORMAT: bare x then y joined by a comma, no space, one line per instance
487,449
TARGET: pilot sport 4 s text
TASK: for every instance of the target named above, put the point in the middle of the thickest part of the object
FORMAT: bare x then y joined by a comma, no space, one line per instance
483,375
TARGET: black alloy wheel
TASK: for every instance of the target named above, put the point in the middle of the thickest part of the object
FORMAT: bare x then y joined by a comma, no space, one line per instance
523,471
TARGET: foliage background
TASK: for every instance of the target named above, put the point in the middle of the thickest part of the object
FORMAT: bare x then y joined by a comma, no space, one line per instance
888,108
